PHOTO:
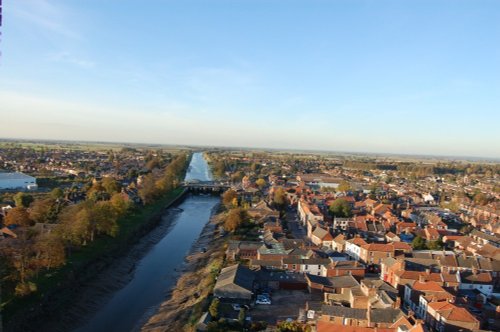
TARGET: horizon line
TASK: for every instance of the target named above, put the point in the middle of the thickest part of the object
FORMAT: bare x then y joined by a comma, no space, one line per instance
374,154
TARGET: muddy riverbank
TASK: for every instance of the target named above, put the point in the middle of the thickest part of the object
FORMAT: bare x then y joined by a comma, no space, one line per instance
185,301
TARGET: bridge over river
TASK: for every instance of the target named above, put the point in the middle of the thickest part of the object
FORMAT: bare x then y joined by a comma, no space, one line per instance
206,186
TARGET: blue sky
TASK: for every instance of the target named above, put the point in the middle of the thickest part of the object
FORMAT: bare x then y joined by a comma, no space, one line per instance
367,76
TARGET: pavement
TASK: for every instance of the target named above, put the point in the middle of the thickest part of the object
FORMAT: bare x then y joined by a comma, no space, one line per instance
285,304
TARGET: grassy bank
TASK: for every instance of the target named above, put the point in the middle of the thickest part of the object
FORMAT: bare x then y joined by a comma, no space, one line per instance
58,288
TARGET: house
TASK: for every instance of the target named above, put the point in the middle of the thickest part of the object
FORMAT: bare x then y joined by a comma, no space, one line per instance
343,268
341,223
272,251
310,265
401,325
391,237
428,198
483,238
431,234
235,283
330,284
322,237
273,226
261,210
419,294
360,318
481,281
242,250
373,253
353,247
448,317
309,213
338,243
403,227
380,209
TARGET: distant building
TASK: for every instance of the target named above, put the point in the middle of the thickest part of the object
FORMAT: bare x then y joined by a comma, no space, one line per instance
17,181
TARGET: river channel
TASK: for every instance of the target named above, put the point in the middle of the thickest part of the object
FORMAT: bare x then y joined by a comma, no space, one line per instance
156,273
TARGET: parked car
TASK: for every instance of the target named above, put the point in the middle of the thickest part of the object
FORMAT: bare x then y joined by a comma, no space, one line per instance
236,307
263,300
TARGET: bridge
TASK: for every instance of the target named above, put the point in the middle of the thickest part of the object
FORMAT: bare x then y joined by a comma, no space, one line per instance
206,186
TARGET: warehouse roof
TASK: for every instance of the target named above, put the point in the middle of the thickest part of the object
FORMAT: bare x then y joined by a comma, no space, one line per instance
14,176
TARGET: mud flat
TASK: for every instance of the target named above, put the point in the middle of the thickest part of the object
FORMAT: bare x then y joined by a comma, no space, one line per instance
196,279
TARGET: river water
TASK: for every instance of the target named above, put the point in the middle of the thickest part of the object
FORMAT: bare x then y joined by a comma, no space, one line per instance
155,273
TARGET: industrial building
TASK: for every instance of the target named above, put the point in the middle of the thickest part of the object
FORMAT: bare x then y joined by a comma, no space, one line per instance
17,180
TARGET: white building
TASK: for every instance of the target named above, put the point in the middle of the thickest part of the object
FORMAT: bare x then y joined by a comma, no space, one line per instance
353,247
341,223
17,181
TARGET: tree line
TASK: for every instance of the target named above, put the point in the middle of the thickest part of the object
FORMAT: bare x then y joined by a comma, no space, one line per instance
68,226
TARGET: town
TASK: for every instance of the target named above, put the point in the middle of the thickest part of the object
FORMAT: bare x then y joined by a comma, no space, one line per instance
310,242
336,244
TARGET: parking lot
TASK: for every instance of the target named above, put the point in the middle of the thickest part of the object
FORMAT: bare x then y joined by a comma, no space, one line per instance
285,304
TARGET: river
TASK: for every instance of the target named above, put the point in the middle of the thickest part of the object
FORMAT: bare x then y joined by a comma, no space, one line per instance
155,273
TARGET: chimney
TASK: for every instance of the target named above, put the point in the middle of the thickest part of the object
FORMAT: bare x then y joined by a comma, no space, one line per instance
428,271
397,303
421,278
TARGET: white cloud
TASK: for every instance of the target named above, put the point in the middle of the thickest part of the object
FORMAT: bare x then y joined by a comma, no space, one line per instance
42,15
66,57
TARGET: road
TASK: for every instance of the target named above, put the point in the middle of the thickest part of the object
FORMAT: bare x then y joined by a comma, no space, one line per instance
294,226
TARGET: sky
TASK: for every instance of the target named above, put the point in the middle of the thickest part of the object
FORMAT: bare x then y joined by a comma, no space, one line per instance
412,77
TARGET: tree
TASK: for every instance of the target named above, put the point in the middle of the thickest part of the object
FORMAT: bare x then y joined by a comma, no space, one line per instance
340,208
110,185
234,219
261,183
228,197
435,245
148,191
75,225
418,243
237,177
235,203
214,308
241,316
279,198
57,193
97,192
18,216
344,186
104,218
42,210
479,198
165,183
121,204
219,169
22,200
293,327
50,251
